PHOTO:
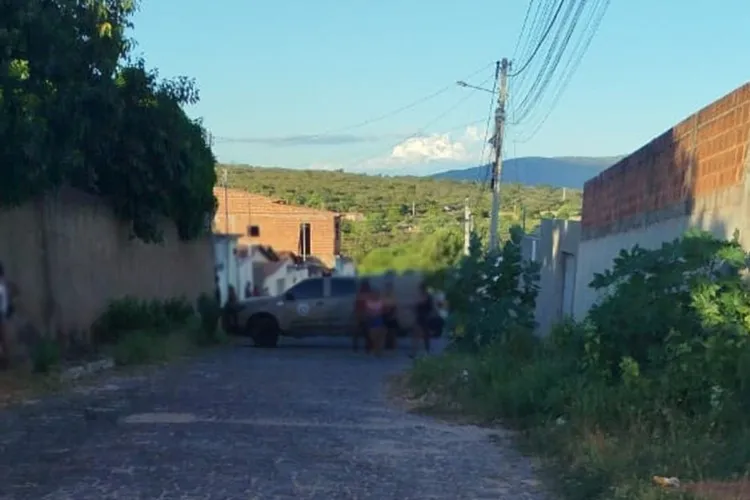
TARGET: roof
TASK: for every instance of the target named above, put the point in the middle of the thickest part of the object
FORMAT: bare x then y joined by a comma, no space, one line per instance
244,202
227,236
266,251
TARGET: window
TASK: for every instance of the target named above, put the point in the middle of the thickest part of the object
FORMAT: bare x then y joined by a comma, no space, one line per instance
337,236
309,289
253,231
305,231
343,287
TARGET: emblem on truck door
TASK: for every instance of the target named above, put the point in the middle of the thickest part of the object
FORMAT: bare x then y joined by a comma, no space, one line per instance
303,309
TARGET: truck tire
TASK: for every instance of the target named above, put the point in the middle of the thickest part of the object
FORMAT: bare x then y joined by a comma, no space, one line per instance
264,330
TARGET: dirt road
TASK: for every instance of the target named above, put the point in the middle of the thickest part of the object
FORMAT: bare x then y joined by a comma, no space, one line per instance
306,421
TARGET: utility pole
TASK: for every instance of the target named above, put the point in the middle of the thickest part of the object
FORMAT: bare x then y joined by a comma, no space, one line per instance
467,227
501,71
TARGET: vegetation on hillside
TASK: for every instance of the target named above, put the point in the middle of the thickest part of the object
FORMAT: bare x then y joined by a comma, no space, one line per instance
655,382
77,109
406,222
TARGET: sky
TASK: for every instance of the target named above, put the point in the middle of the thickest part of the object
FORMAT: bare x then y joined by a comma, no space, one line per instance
284,83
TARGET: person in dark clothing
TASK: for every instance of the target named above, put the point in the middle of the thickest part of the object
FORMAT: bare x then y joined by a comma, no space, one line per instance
424,311
361,327
390,315
231,311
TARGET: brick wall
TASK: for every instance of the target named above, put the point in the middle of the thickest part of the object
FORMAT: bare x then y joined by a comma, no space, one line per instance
704,154
277,222
70,256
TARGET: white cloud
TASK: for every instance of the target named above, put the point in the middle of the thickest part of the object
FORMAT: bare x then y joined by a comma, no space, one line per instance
429,148
438,147
422,154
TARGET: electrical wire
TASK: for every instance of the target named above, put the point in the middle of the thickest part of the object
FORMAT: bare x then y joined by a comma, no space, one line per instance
424,128
539,44
554,55
523,28
536,94
382,117
581,48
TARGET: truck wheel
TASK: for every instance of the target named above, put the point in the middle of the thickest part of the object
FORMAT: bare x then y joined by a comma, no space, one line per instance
264,330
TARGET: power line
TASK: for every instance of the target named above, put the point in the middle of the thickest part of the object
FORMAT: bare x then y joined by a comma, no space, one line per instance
557,50
551,60
581,48
384,116
523,27
541,41
430,123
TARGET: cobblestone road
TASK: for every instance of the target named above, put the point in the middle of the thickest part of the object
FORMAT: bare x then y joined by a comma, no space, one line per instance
305,421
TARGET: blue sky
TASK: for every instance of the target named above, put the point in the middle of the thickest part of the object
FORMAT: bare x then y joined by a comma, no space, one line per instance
270,72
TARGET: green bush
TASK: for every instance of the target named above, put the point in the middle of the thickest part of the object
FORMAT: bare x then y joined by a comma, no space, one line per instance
179,311
656,381
130,314
139,347
210,314
493,297
45,356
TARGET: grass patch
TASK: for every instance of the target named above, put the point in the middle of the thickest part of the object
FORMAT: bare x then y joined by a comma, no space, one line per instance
131,332
597,444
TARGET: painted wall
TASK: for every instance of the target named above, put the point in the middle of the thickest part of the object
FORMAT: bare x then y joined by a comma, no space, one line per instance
692,176
555,247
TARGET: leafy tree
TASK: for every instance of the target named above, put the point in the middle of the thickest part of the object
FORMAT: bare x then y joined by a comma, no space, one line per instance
75,109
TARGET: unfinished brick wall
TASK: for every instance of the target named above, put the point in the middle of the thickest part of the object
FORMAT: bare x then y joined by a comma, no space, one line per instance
278,223
703,154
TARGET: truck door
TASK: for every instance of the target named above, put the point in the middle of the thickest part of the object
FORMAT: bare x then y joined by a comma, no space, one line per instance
340,304
305,307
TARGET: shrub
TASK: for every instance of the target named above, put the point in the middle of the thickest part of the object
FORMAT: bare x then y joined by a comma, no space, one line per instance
493,297
178,311
45,355
138,347
130,314
655,381
210,314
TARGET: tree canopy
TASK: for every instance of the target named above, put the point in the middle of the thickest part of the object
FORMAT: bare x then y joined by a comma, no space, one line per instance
77,109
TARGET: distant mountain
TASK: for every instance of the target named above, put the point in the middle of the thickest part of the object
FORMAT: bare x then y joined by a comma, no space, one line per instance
569,172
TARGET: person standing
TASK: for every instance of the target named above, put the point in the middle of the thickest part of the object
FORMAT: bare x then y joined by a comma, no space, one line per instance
361,328
390,315
424,312
374,309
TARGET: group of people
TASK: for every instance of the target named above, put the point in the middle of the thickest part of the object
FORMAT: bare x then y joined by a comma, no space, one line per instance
377,319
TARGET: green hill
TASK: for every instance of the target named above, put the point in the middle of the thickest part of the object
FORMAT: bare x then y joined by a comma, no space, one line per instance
399,215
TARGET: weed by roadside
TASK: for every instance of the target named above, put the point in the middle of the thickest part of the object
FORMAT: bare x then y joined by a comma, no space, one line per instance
131,332
654,383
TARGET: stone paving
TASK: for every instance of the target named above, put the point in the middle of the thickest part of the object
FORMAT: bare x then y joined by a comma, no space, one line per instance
308,420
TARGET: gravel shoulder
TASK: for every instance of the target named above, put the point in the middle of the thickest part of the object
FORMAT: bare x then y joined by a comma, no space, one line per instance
306,421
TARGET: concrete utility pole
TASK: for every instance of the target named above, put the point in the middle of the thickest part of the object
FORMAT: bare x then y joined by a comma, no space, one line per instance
467,227
502,69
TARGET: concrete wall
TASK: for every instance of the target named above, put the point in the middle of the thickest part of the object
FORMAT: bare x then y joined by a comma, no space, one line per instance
555,247
70,256
692,176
